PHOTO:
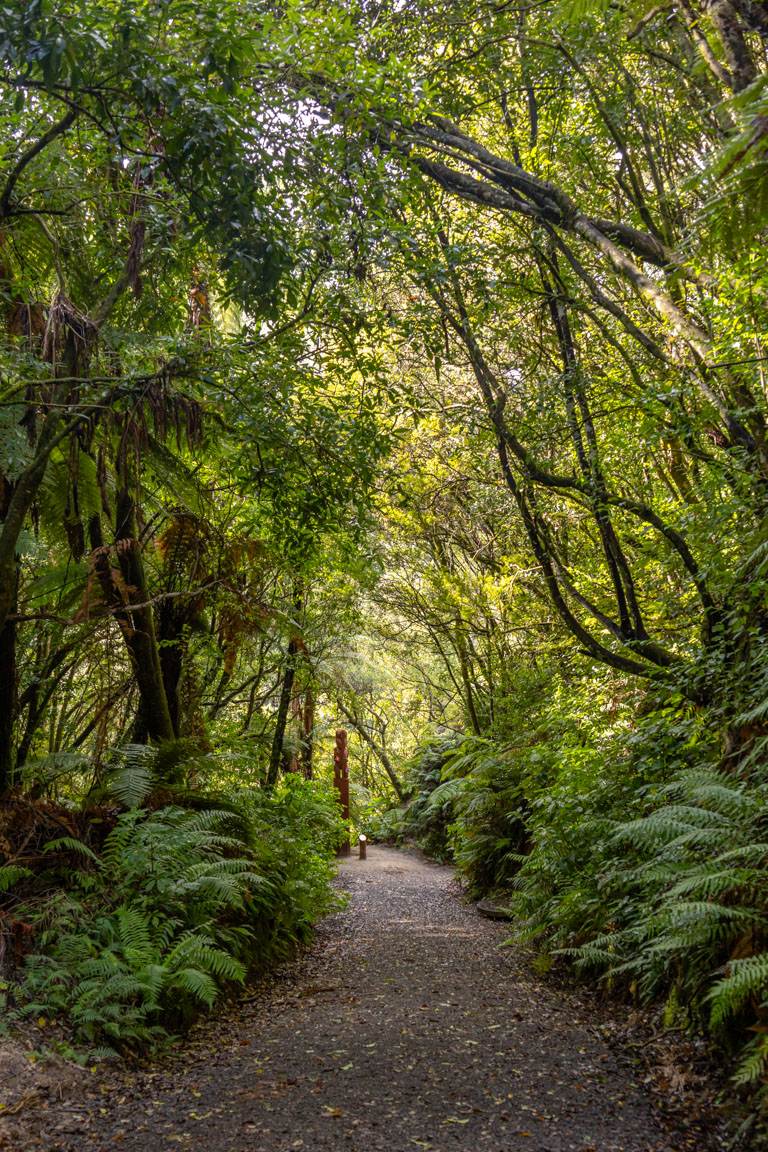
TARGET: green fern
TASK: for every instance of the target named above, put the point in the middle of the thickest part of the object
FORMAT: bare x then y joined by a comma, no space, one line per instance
176,906
131,778
199,951
135,935
70,844
747,980
11,874
753,1063
200,985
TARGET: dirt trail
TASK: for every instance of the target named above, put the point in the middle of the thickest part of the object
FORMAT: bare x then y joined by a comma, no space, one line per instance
407,1026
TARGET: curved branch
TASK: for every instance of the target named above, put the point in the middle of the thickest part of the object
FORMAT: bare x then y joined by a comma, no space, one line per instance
56,130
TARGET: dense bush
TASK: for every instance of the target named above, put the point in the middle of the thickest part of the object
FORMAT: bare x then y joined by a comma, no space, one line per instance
625,846
426,818
474,812
176,906
661,888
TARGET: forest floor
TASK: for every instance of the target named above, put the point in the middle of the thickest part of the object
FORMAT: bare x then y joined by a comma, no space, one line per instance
406,1026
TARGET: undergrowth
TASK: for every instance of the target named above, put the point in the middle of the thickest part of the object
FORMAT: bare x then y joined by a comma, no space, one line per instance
627,847
126,942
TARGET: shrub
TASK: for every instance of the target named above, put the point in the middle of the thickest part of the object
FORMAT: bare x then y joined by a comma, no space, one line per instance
427,817
177,907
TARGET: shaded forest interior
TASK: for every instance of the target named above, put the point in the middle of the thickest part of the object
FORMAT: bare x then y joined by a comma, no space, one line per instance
399,367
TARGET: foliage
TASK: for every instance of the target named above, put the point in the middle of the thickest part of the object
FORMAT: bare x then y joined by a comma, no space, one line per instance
489,833
428,816
631,854
402,367
177,907
667,896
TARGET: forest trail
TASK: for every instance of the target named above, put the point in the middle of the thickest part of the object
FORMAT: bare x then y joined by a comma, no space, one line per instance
406,1027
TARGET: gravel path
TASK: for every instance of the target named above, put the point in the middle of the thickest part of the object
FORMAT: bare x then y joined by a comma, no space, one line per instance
407,1026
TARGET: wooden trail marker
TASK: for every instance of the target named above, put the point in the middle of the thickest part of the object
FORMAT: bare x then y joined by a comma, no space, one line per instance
362,846
341,782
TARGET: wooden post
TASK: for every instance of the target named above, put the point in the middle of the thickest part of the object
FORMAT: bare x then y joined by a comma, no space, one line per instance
307,725
341,782
362,846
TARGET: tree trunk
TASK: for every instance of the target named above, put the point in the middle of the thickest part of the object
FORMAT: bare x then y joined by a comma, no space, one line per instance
37,696
153,717
153,721
466,679
8,701
277,755
378,752
171,653
291,762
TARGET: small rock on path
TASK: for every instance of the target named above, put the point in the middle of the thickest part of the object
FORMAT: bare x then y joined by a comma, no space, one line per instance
408,1026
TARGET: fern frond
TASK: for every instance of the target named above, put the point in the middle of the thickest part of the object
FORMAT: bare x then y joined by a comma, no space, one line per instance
707,883
10,874
753,1063
747,979
70,844
135,934
201,952
198,984
130,781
